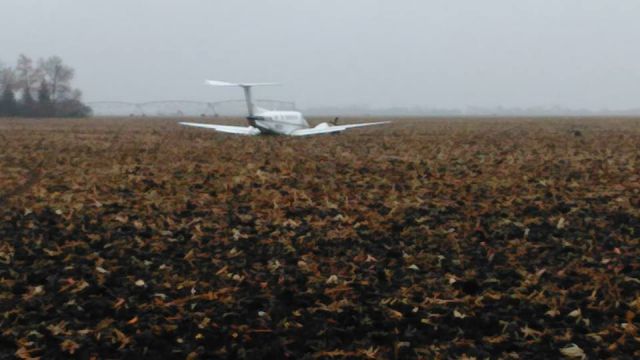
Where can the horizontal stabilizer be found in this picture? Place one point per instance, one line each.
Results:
(224, 83)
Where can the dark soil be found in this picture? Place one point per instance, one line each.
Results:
(425, 239)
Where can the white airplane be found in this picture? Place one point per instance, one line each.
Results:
(262, 121)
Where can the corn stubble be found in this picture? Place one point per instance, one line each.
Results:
(424, 239)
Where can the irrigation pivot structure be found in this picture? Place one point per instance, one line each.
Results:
(181, 107)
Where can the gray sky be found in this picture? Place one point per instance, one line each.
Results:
(449, 53)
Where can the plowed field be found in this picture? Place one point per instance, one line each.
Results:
(428, 238)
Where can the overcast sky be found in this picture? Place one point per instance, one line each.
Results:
(449, 53)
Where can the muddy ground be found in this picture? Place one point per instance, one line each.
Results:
(428, 238)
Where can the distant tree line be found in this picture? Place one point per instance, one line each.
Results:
(39, 89)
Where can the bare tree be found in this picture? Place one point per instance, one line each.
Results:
(7, 78)
(59, 77)
(28, 77)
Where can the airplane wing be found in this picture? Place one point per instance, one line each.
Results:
(238, 130)
(332, 129)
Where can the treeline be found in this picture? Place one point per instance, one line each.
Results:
(40, 89)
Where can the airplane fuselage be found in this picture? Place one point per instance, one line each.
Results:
(278, 122)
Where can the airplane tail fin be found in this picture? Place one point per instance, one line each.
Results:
(251, 107)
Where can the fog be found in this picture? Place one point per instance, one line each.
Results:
(454, 54)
